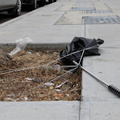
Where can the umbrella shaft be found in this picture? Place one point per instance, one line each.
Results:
(98, 79)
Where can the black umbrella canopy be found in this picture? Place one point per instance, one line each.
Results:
(74, 51)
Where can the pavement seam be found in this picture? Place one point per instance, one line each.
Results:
(108, 6)
(84, 30)
(79, 110)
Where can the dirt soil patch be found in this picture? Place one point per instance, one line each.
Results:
(31, 79)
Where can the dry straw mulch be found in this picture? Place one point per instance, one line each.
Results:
(28, 80)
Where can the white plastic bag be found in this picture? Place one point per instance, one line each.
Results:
(20, 45)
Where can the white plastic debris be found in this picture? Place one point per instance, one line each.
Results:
(67, 95)
(20, 45)
(61, 84)
(49, 84)
(58, 90)
(35, 80)
(56, 67)
(28, 52)
(8, 99)
(25, 98)
(28, 78)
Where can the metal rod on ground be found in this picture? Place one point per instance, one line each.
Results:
(88, 48)
(111, 88)
(67, 72)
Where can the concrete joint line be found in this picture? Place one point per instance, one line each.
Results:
(107, 6)
(84, 30)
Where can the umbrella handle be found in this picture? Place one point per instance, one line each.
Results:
(111, 88)
(114, 90)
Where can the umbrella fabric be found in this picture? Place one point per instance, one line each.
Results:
(90, 47)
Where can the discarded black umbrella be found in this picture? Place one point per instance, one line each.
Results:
(77, 46)
(80, 47)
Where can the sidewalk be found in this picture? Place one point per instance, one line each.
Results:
(98, 103)
(58, 23)
(41, 25)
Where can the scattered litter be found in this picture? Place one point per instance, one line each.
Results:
(25, 98)
(8, 99)
(22, 98)
(37, 80)
(28, 52)
(30, 79)
(20, 45)
(67, 95)
(51, 87)
(49, 84)
(58, 90)
(58, 86)
(58, 96)
(56, 67)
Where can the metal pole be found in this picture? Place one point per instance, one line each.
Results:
(98, 79)
(111, 88)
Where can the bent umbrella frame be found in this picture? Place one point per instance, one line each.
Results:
(111, 88)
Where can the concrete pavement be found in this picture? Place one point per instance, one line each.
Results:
(41, 26)
(98, 103)
(58, 23)
(54, 110)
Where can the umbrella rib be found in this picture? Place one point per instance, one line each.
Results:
(73, 53)
(84, 52)
(67, 66)
(67, 72)
(81, 57)
(80, 45)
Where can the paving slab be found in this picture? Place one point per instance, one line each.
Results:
(70, 18)
(99, 103)
(100, 6)
(112, 4)
(100, 111)
(104, 67)
(50, 34)
(107, 32)
(54, 110)
(65, 7)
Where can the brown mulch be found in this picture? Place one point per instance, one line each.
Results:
(29, 80)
